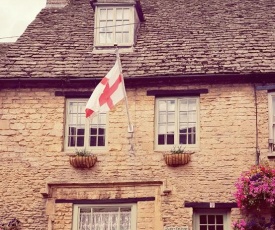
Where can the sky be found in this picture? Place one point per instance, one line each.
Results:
(16, 15)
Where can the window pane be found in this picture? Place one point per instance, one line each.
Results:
(119, 37)
(183, 117)
(162, 129)
(219, 219)
(119, 15)
(171, 105)
(109, 27)
(110, 14)
(203, 219)
(171, 117)
(183, 105)
(162, 117)
(192, 104)
(162, 106)
(92, 141)
(80, 141)
(202, 227)
(72, 141)
(102, 38)
(220, 227)
(93, 131)
(80, 131)
(161, 139)
(211, 227)
(126, 14)
(103, 14)
(211, 219)
(183, 139)
(101, 141)
(125, 37)
(101, 130)
(109, 38)
(170, 139)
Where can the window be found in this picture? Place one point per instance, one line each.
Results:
(115, 25)
(271, 101)
(177, 121)
(113, 217)
(209, 219)
(80, 131)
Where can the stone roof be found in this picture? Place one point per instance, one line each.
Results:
(179, 37)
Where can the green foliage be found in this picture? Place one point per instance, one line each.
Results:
(82, 152)
(177, 150)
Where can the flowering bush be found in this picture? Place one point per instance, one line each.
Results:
(258, 223)
(14, 224)
(256, 188)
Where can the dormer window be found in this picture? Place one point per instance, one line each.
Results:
(116, 24)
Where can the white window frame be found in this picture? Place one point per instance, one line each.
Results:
(133, 24)
(168, 147)
(87, 125)
(271, 121)
(77, 207)
(224, 212)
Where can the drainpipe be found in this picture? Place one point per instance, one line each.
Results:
(257, 161)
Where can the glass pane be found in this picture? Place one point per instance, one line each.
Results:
(72, 130)
(110, 14)
(102, 38)
(102, 118)
(162, 117)
(93, 131)
(126, 14)
(203, 227)
(80, 141)
(192, 104)
(119, 27)
(125, 37)
(171, 117)
(219, 219)
(80, 131)
(171, 128)
(211, 219)
(126, 28)
(101, 130)
(183, 117)
(183, 139)
(203, 219)
(119, 37)
(170, 139)
(101, 141)
(183, 128)
(211, 227)
(220, 227)
(109, 26)
(71, 141)
(119, 12)
(161, 139)
(162, 105)
(102, 26)
(103, 14)
(192, 116)
(92, 141)
(171, 105)
(109, 38)
(183, 105)
(162, 129)
(191, 139)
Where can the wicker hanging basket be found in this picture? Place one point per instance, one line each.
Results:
(176, 159)
(83, 161)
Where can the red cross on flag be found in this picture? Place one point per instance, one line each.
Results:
(107, 93)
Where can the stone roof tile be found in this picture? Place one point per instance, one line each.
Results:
(177, 38)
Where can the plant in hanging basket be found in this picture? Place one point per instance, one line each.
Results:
(83, 159)
(177, 156)
(256, 188)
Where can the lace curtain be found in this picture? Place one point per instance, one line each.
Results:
(120, 220)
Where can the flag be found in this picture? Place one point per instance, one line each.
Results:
(107, 93)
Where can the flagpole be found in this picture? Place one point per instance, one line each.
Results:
(130, 125)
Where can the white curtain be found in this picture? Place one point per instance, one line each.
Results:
(105, 221)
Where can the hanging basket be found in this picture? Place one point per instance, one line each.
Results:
(83, 161)
(176, 159)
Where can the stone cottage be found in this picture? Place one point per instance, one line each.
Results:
(199, 76)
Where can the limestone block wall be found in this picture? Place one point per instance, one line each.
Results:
(32, 154)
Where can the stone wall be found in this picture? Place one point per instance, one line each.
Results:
(32, 156)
